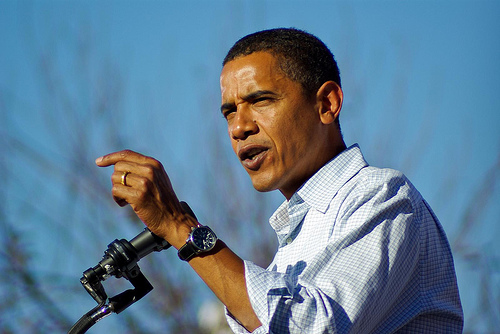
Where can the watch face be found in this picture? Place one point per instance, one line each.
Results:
(203, 238)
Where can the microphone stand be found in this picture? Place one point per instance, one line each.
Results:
(120, 260)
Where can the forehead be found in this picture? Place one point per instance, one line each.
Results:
(256, 71)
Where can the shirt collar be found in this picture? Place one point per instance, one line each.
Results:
(318, 191)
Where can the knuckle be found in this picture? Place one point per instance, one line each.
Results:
(142, 183)
(125, 153)
(149, 172)
(156, 164)
(114, 191)
(141, 196)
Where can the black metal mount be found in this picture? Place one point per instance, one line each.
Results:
(120, 260)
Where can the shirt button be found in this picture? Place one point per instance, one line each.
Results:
(289, 241)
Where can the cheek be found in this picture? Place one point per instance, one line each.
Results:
(291, 142)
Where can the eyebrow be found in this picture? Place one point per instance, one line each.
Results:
(249, 97)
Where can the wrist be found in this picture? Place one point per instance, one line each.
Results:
(177, 238)
(180, 225)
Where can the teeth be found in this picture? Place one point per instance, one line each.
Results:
(251, 154)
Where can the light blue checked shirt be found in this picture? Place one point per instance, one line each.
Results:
(360, 251)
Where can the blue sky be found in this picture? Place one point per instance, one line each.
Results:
(420, 80)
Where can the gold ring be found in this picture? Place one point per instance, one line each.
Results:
(124, 178)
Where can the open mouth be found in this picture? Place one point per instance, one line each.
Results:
(252, 153)
(251, 157)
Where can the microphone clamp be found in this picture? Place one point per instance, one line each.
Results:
(120, 260)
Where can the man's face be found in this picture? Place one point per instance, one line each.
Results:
(274, 128)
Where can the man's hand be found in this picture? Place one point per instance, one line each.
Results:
(150, 194)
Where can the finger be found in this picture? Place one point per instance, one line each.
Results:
(120, 180)
(126, 166)
(125, 155)
(124, 194)
(125, 178)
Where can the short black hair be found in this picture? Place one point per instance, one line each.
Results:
(302, 56)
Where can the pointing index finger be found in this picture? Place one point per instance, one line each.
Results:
(113, 158)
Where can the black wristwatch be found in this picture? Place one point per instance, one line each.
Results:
(201, 240)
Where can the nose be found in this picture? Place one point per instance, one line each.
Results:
(242, 125)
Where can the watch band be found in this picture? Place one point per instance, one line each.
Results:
(186, 252)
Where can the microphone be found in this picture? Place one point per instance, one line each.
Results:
(147, 242)
(122, 256)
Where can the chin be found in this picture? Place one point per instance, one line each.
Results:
(263, 189)
(263, 185)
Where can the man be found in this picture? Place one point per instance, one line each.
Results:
(359, 251)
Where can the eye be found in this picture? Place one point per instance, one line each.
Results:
(226, 113)
(262, 102)
(229, 114)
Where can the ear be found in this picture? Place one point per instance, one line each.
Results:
(329, 98)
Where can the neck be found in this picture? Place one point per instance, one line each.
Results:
(328, 155)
